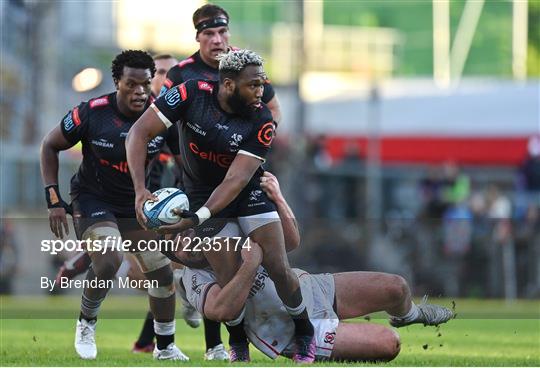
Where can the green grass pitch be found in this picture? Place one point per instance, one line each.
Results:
(38, 331)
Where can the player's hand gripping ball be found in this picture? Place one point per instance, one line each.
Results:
(160, 212)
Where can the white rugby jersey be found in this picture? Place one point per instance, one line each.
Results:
(268, 325)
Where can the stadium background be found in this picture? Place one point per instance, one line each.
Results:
(410, 141)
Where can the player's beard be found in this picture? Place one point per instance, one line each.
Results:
(238, 104)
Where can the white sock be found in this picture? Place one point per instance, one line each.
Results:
(164, 328)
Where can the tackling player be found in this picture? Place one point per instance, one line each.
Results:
(103, 196)
(226, 134)
(329, 298)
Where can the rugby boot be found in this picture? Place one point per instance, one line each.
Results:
(428, 314)
(172, 352)
(85, 342)
(218, 352)
(305, 349)
(239, 353)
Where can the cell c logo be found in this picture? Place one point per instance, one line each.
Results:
(219, 159)
(266, 133)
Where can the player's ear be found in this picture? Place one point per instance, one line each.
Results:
(228, 83)
(115, 83)
(197, 37)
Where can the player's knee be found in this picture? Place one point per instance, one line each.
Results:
(105, 263)
(163, 275)
(164, 278)
(229, 315)
(279, 271)
(391, 346)
(106, 267)
(152, 261)
(397, 287)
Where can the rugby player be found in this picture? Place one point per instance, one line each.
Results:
(212, 33)
(103, 196)
(80, 262)
(330, 298)
(226, 134)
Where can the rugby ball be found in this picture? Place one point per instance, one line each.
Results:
(160, 212)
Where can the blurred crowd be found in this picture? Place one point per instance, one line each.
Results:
(454, 235)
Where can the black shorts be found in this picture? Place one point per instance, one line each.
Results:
(93, 210)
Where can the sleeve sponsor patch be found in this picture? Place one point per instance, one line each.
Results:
(72, 120)
(266, 133)
(205, 86)
(175, 95)
(102, 101)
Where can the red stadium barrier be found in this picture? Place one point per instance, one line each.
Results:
(462, 150)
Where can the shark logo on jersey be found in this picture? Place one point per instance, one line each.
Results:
(236, 139)
(155, 144)
(254, 195)
(222, 127)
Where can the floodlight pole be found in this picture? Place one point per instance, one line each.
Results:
(519, 39)
(464, 36)
(441, 43)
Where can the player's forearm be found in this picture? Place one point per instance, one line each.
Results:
(136, 143)
(232, 298)
(291, 232)
(49, 164)
(225, 193)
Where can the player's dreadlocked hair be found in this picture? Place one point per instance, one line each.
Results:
(233, 62)
(132, 59)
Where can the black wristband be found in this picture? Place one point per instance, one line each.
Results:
(191, 215)
(52, 195)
